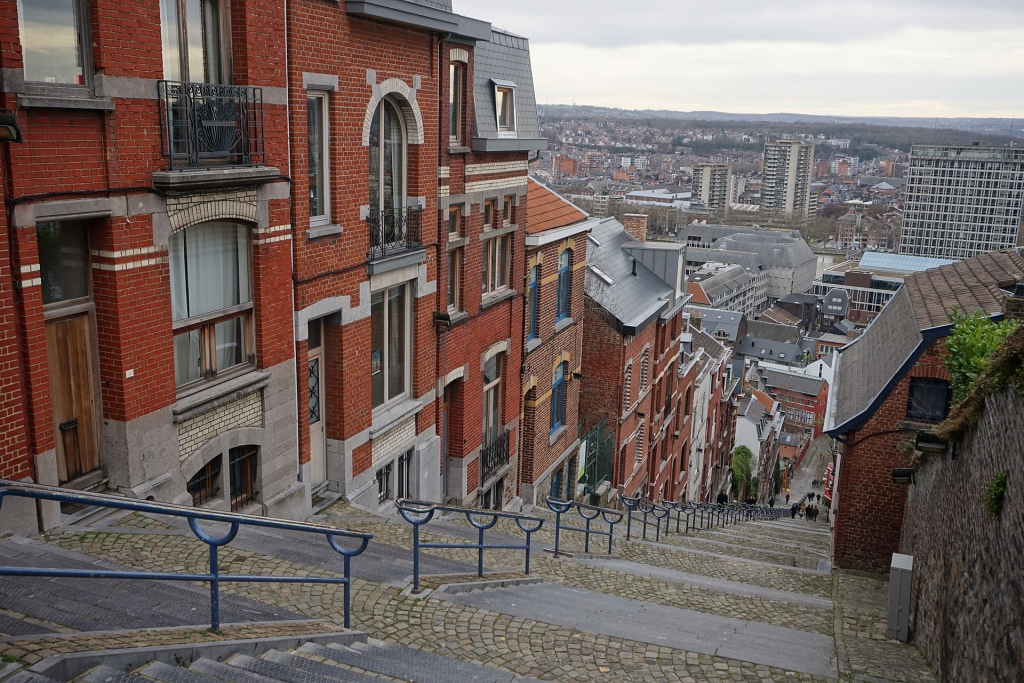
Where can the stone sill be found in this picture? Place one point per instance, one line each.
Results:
(219, 394)
(534, 344)
(556, 435)
(564, 323)
(56, 102)
(212, 178)
(457, 241)
(459, 149)
(497, 298)
(323, 231)
(392, 416)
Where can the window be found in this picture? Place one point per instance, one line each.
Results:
(63, 261)
(387, 159)
(455, 221)
(196, 40)
(496, 264)
(389, 344)
(492, 398)
(929, 399)
(506, 108)
(645, 362)
(454, 267)
(316, 133)
(455, 88)
(242, 468)
(564, 277)
(203, 484)
(489, 214)
(627, 387)
(638, 445)
(556, 484)
(404, 471)
(532, 302)
(506, 211)
(211, 300)
(314, 339)
(384, 482)
(558, 396)
(53, 34)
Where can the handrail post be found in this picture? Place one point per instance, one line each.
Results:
(214, 590)
(558, 529)
(611, 532)
(348, 591)
(480, 557)
(415, 558)
(527, 552)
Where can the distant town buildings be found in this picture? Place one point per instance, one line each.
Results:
(786, 179)
(962, 201)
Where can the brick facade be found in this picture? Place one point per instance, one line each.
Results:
(869, 507)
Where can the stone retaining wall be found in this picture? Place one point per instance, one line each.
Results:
(968, 588)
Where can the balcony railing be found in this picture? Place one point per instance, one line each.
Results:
(211, 124)
(493, 457)
(394, 231)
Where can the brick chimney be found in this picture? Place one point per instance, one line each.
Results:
(636, 225)
(1013, 307)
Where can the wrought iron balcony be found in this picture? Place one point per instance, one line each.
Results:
(209, 124)
(493, 457)
(394, 231)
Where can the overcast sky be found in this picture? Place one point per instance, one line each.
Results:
(857, 57)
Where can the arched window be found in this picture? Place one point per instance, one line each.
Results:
(638, 445)
(532, 302)
(387, 159)
(564, 260)
(627, 387)
(558, 396)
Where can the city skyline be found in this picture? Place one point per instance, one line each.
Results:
(952, 58)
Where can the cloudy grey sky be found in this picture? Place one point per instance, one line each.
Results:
(856, 57)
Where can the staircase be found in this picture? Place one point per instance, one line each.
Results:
(358, 662)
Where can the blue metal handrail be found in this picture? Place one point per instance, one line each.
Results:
(649, 509)
(194, 517)
(588, 513)
(681, 510)
(418, 513)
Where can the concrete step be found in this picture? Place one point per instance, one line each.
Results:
(106, 674)
(285, 673)
(328, 671)
(226, 673)
(165, 673)
(25, 676)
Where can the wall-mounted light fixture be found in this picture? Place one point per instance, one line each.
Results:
(442, 319)
(929, 442)
(9, 131)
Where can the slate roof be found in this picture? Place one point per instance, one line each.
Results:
(872, 365)
(781, 352)
(836, 302)
(631, 301)
(775, 250)
(548, 210)
(713, 319)
(750, 262)
(445, 5)
(779, 316)
(711, 346)
(506, 57)
(803, 384)
(763, 329)
(751, 409)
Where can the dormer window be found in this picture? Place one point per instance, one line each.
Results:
(505, 104)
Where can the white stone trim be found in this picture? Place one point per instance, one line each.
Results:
(408, 105)
(496, 184)
(459, 54)
(494, 349)
(498, 167)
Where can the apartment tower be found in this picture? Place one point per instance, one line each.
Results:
(962, 201)
(711, 185)
(786, 179)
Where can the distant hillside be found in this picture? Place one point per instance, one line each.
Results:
(991, 130)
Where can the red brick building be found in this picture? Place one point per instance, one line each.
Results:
(409, 168)
(891, 385)
(556, 258)
(803, 397)
(635, 294)
(148, 221)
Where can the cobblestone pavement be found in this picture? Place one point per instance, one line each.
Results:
(529, 647)
(31, 649)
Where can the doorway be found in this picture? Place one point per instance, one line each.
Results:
(317, 438)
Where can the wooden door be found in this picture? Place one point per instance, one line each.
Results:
(74, 398)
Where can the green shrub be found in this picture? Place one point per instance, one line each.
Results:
(994, 495)
(742, 458)
(970, 346)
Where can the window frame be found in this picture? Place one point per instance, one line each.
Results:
(207, 323)
(70, 304)
(248, 459)
(84, 34)
(456, 210)
(558, 396)
(385, 343)
(321, 97)
(224, 40)
(491, 274)
(379, 149)
(510, 112)
(454, 284)
(456, 98)
(533, 303)
(562, 304)
(490, 213)
(493, 389)
(932, 384)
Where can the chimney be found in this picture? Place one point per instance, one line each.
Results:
(636, 225)
(1013, 307)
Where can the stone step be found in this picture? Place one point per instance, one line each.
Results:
(229, 674)
(165, 673)
(106, 674)
(309, 666)
(24, 676)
